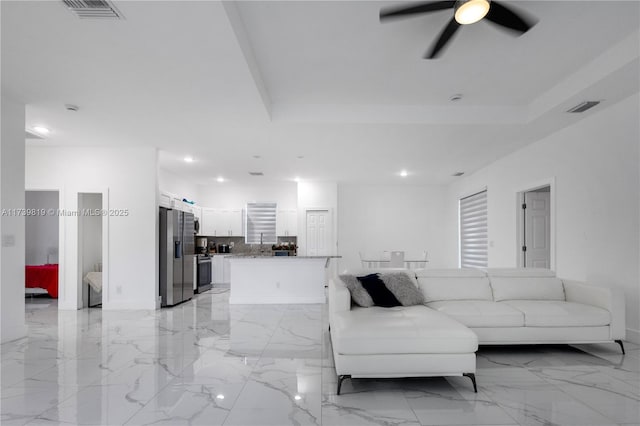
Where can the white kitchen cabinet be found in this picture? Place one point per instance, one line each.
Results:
(221, 269)
(221, 222)
(287, 223)
(165, 199)
(235, 222)
(207, 222)
(226, 271)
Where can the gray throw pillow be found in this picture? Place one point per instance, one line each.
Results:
(358, 294)
(402, 288)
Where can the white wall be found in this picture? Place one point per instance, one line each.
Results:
(375, 218)
(12, 325)
(596, 170)
(229, 195)
(174, 184)
(128, 178)
(42, 231)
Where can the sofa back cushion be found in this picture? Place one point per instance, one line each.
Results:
(454, 284)
(527, 288)
(525, 284)
(519, 272)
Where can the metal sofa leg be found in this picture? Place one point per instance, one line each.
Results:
(340, 379)
(472, 376)
(621, 346)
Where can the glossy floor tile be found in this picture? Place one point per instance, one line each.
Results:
(207, 362)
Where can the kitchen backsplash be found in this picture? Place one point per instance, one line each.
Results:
(239, 247)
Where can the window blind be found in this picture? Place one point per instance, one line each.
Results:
(261, 219)
(473, 231)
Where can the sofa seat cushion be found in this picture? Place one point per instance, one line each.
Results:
(400, 330)
(553, 313)
(480, 313)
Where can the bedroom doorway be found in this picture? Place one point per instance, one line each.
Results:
(42, 248)
(90, 206)
(535, 228)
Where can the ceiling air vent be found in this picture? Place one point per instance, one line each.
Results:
(93, 9)
(256, 173)
(582, 107)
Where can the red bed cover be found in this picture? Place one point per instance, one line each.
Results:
(43, 276)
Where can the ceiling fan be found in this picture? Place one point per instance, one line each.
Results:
(465, 12)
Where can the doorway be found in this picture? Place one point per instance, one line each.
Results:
(535, 238)
(90, 208)
(318, 233)
(42, 248)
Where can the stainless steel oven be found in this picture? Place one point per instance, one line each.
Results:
(205, 276)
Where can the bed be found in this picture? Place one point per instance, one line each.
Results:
(94, 281)
(44, 277)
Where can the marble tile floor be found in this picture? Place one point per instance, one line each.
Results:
(206, 362)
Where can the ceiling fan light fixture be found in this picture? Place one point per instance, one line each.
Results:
(471, 11)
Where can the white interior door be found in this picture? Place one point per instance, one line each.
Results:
(537, 229)
(318, 233)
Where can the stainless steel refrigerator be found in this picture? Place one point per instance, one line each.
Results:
(177, 253)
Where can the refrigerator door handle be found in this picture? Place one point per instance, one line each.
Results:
(177, 249)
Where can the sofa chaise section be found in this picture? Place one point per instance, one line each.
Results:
(403, 341)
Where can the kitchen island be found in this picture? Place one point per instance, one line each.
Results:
(278, 279)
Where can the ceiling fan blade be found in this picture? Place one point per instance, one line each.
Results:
(433, 6)
(505, 17)
(443, 39)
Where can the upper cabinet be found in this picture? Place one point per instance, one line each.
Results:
(287, 223)
(221, 222)
(234, 221)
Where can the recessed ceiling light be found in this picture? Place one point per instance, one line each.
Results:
(220, 396)
(257, 156)
(300, 157)
(41, 129)
(456, 97)
(71, 107)
(188, 159)
(457, 174)
(220, 179)
(297, 397)
(404, 173)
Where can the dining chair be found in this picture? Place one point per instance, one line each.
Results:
(369, 259)
(396, 260)
(416, 259)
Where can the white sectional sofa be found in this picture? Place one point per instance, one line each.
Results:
(464, 308)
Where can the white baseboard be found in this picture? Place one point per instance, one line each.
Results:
(129, 305)
(633, 336)
(66, 306)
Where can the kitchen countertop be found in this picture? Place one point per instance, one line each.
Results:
(269, 256)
